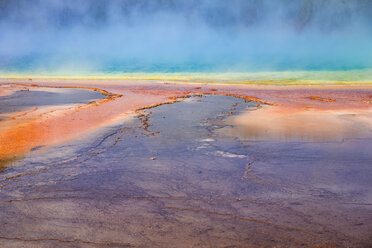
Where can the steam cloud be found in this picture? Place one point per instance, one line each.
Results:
(184, 35)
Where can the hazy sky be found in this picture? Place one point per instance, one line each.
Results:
(184, 35)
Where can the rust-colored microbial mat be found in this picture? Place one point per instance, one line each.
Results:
(151, 164)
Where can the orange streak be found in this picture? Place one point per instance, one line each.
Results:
(322, 99)
(123, 97)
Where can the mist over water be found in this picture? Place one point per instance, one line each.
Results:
(108, 36)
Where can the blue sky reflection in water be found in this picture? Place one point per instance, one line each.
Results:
(81, 36)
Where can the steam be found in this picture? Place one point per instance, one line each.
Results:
(84, 36)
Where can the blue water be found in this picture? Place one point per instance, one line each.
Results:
(35, 65)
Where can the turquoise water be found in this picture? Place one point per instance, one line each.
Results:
(40, 65)
(193, 71)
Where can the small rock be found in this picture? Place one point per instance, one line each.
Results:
(152, 158)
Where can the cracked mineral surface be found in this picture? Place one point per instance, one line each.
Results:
(204, 189)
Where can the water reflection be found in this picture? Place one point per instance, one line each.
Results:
(276, 123)
(27, 99)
